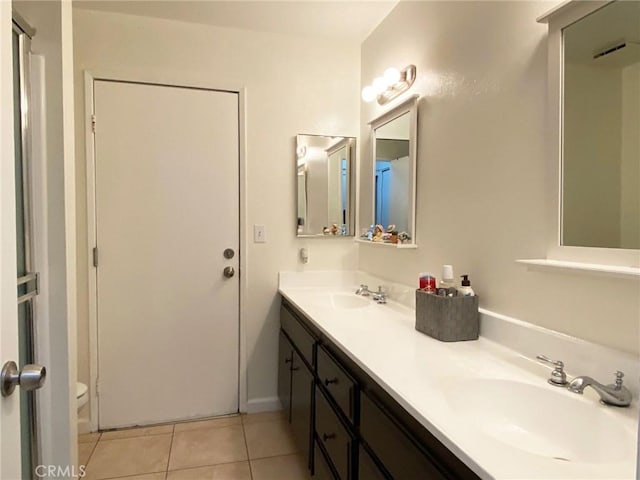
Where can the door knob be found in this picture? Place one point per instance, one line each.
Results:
(228, 272)
(30, 378)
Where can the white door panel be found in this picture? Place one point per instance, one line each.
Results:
(167, 205)
(10, 450)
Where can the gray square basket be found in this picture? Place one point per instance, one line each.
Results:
(448, 319)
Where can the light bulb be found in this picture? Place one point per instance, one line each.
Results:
(379, 85)
(368, 93)
(392, 75)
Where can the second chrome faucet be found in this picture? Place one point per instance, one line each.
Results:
(380, 296)
(614, 394)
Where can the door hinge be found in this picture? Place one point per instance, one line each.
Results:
(97, 387)
(93, 123)
(95, 256)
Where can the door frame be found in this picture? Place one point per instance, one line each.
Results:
(90, 77)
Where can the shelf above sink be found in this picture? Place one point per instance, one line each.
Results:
(595, 268)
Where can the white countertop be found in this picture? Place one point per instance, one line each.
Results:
(430, 379)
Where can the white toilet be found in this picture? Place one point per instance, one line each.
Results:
(82, 394)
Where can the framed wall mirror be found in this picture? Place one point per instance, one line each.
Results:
(593, 162)
(393, 146)
(600, 203)
(324, 184)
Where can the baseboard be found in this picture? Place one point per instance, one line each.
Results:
(266, 404)
(84, 426)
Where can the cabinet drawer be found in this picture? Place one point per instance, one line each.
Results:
(402, 458)
(334, 437)
(299, 335)
(339, 384)
(367, 468)
(321, 468)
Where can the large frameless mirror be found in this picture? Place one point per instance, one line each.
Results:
(601, 129)
(324, 184)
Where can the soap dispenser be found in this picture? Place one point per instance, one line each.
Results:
(465, 290)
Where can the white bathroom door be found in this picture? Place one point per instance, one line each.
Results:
(167, 208)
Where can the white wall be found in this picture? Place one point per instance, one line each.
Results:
(398, 193)
(630, 158)
(317, 182)
(334, 187)
(592, 155)
(289, 90)
(481, 165)
(57, 342)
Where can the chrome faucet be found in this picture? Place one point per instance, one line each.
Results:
(363, 290)
(557, 378)
(380, 296)
(614, 394)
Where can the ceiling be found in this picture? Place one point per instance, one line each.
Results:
(340, 20)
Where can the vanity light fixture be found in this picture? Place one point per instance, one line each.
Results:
(390, 85)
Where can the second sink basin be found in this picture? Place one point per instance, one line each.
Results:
(550, 423)
(342, 300)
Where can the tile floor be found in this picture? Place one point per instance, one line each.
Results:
(239, 447)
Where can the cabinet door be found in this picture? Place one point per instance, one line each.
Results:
(367, 468)
(392, 445)
(301, 396)
(284, 373)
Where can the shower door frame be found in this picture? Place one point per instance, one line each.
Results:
(89, 80)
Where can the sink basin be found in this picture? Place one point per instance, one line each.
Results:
(342, 300)
(542, 421)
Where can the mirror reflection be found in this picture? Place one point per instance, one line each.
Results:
(324, 185)
(601, 129)
(392, 174)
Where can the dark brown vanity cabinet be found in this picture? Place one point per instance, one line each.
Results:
(348, 427)
(301, 403)
(285, 355)
(296, 378)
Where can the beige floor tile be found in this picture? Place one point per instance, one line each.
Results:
(129, 456)
(289, 467)
(226, 471)
(250, 418)
(89, 437)
(84, 452)
(137, 432)
(207, 446)
(146, 476)
(211, 423)
(269, 439)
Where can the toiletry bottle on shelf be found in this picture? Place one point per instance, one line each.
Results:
(427, 283)
(465, 290)
(447, 280)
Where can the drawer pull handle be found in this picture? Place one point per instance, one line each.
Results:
(327, 381)
(326, 437)
(288, 360)
(295, 369)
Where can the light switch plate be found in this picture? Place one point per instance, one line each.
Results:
(259, 234)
